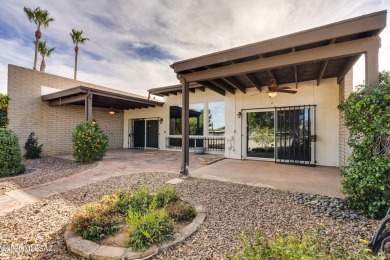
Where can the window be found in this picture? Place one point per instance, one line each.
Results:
(195, 120)
(217, 118)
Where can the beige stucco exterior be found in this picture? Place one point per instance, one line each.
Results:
(325, 96)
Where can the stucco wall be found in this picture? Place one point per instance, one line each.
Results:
(324, 96)
(52, 125)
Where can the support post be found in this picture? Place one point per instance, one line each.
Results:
(185, 158)
(88, 107)
(372, 67)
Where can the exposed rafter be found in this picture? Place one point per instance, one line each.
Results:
(347, 68)
(321, 72)
(212, 87)
(234, 83)
(223, 86)
(296, 75)
(253, 81)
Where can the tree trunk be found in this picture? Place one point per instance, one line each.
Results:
(37, 37)
(76, 50)
(43, 65)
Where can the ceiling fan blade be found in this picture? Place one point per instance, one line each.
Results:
(288, 91)
(284, 87)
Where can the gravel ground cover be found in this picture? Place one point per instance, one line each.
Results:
(232, 209)
(42, 170)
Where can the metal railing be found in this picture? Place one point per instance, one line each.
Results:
(209, 143)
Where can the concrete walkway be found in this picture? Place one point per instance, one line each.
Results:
(118, 162)
(315, 180)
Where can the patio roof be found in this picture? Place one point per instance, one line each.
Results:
(101, 98)
(324, 52)
(174, 89)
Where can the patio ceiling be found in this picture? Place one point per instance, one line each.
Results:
(173, 90)
(100, 98)
(324, 52)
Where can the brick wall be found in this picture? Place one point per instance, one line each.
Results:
(346, 87)
(52, 125)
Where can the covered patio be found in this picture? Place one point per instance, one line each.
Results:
(317, 54)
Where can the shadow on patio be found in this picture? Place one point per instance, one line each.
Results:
(315, 180)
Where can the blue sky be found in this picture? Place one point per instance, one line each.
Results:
(132, 43)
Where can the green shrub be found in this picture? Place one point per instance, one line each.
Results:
(367, 117)
(33, 150)
(10, 156)
(149, 228)
(124, 199)
(311, 245)
(140, 200)
(181, 210)
(165, 196)
(94, 221)
(89, 142)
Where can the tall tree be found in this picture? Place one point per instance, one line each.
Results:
(45, 52)
(77, 37)
(38, 17)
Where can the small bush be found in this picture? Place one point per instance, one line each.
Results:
(312, 245)
(165, 196)
(180, 210)
(149, 228)
(10, 156)
(33, 150)
(124, 199)
(93, 221)
(140, 200)
(89, 142)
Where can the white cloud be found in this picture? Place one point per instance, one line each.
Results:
(172, 30)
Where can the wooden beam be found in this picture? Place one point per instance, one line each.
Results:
(372, 22)
(212, 87)
(62, 93)
(253, 81)
(296, 75)
(235, 84)
(348, 66)
(321, 72)
(203, 89)
(228, 88)
(67, 100)
(372, 67)
(185, 114)
(316, 54)
(88, 107)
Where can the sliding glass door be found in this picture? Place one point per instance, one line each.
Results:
(261, 134)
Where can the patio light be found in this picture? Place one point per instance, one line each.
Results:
(272, 94)
(111, 111)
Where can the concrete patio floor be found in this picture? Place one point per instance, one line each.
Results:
(315, 180)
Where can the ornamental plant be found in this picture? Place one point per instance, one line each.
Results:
(33, 150)
(10, 155)
(365, 177)
(89, 142)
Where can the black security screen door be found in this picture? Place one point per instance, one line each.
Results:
(295, 135)
(138, 141)
(152, 133)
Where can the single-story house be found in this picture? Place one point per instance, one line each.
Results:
(271, 100)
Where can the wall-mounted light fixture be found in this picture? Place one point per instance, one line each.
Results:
(161, 120)
(111, 111)
(239, 115)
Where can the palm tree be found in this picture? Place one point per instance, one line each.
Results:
(44, 53)
(77, 39)
(39, 17)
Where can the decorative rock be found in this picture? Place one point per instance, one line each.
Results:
(175, 181)
(108, 253)
(83, 248)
